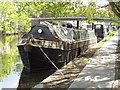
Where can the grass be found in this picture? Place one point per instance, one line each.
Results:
(101, 43)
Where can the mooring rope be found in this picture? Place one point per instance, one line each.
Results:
(47, 56)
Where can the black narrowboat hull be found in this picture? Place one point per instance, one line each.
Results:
(34, 59)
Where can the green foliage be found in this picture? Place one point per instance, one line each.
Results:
(5, 15)
(11, 19)
(8, 55)
(15, 15)
(103, 13)
(116, 18)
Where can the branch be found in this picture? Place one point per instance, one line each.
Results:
(115, 9)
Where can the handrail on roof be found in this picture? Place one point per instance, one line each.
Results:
(73, 18)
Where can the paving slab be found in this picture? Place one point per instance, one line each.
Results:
(100, 71)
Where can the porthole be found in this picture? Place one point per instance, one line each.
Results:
(40, 31)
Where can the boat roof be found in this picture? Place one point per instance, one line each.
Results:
(73, 18)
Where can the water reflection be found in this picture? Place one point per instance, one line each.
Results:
(12, 73)
(30, 79)
(10, 63)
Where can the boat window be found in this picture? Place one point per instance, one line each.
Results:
(80, 34)
(89, 27)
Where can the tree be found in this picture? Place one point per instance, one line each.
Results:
(11, 18)
(115, 7)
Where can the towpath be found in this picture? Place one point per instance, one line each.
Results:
(100, 71)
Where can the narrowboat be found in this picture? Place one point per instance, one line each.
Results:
(48, 45)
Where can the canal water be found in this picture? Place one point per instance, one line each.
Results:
(12, 73)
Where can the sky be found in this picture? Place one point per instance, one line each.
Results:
(98, 2)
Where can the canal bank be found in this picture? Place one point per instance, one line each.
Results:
(98, 73)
